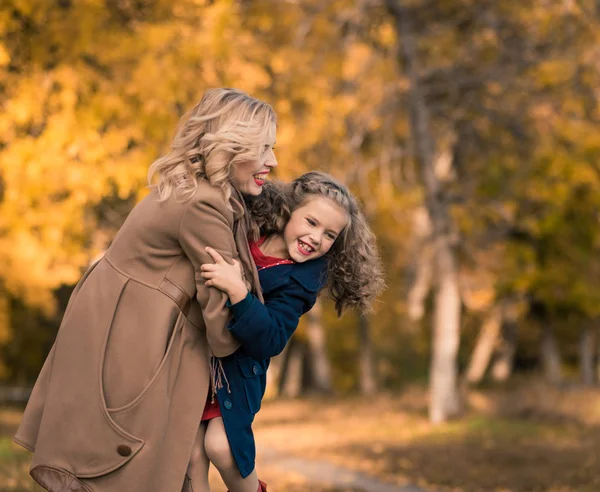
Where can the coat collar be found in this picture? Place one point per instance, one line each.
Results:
(240, 230)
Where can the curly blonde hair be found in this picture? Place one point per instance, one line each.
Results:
(225, 128)
(355, 273)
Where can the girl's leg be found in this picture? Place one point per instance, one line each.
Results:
(219, 454)
(196, 479)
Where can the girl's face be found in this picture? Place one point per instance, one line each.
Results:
(313, 228)
(249, 177)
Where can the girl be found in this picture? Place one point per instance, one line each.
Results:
(312, 235)
(117, 405)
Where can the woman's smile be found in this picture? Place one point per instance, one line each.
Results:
(260, 178)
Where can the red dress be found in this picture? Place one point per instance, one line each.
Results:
(212, 409)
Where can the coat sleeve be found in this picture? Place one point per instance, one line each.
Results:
(204, 224)
(264, 329)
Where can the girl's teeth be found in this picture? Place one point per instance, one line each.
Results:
(305, 247)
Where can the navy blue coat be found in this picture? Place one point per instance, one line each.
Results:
(263, 330)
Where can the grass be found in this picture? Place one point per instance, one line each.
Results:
(526, 438)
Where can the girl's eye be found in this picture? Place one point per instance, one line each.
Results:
(331, 236)
(311, 222)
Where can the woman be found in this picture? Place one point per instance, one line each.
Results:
(119, 400)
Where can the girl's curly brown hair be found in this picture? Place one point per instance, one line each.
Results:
(355, 273)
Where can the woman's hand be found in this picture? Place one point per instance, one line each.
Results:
(227, 277)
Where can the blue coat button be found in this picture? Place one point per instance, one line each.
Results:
(255, 369)
(227, 404)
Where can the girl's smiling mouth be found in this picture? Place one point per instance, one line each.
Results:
(304, 248)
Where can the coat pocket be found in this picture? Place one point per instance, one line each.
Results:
(138, 343)
(254, 382)
(176, 334)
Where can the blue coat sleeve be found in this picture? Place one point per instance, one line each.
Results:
(264, 329)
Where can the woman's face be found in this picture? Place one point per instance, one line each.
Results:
(249, 177)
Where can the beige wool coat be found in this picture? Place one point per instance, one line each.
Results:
(119, 400)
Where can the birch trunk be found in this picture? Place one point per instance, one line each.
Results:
(275, 373)
(444, 396)
(503, 365)
(424, 255)
(550, 355)
(586, 356)
(484, 346)
(292, 373)
(320, 369)
(597, 330)
(367, 382)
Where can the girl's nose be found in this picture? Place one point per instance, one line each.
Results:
(315, 240)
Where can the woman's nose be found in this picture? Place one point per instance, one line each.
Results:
(271, 161)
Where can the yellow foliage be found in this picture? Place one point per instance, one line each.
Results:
(93, 93)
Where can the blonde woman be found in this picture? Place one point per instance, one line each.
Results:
(118, 403)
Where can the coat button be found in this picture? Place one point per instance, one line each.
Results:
(227, 404)
(255, 369)
(124, 450)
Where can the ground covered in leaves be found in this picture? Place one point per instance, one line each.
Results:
(525, 438)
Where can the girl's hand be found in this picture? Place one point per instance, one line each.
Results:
(227, 277)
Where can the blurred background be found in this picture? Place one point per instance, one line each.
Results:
(470, 131)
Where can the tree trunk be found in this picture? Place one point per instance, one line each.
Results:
(586, 356)
(292, 372)
(550, 354)
(368, 381)
(275, 374)
(423, 265)
(320, 369)
(484, 346)
(444, 396)
(502, 367)
(597, 352)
